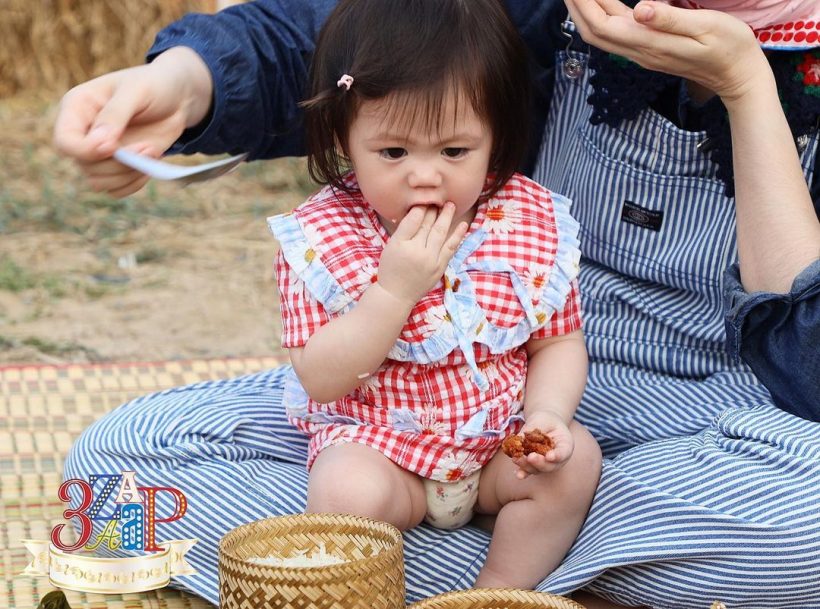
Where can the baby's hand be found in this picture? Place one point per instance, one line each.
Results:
(558, 435)
(416, 255)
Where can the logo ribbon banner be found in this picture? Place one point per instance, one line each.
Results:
(72, 571)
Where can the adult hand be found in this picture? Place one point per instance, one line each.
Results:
(552, 425)
(417, 253)
(711, 48)
(145, 109)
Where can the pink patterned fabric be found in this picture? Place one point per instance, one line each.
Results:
(411, 411)
(782, 24)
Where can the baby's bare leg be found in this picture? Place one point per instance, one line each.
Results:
(359, 480)
(538, 517)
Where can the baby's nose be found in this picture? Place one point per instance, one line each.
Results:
(424, 175)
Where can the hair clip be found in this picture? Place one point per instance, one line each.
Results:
(345, 81)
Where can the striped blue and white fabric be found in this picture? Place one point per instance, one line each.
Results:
(708, 492)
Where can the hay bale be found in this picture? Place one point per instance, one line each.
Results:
(55, 44)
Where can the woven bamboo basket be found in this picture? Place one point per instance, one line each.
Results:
(371, 578)
(496, 598)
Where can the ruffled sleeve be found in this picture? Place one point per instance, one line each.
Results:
(317, 255)
(302, 315)
(561, 297)
(566, 320)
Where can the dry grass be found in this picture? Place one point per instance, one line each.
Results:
(58, 43)
(169, 273)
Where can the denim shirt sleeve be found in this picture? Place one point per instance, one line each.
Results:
(258, 54)
(778, 336)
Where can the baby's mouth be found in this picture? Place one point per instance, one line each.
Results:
(438, 204)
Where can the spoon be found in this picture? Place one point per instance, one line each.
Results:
(185, 174)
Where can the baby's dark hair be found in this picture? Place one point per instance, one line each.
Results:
(418, 52)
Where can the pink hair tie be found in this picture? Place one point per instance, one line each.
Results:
(345, 81)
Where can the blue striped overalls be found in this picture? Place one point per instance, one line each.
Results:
(708, 492)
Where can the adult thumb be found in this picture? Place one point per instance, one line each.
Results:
(671, 19)
(113, 119)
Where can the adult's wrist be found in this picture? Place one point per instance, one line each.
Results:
(758, 86)
(191, 72)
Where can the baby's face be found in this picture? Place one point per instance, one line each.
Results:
(403, 163)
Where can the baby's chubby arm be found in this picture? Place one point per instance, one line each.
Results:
(344, 352)
(348, 349)
(556, 377)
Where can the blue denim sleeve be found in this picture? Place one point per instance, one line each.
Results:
(778, 336)
(258, 54)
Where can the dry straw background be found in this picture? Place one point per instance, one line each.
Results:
(58, 43)
(168, 273)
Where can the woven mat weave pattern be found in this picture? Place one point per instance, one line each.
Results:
(42, 411)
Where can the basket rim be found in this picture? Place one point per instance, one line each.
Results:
(319, 518)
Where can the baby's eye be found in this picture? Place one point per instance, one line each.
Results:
(392, 153)
(454, 153)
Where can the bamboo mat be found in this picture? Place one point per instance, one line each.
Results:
(42, 410)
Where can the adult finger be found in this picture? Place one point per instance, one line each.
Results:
(673, 20)
(114, 117)
(109, 168)
(409, 225)
(102, 169)
(93, 116)
(113, 183)
(613, 8)
(130, 188)
(594, 17)
(78, 109)
(603, 23)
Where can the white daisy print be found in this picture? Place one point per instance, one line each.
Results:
(313, 236)
(576, 262)
(368, 273)
(455, 466)
(370, 385)
(487, 368)
(535, 279)
(490, 370)
(300, 293)
(502, 218)
(434, 318)
(541, 317)
(429, 422)
(336, 434)
(339, 302)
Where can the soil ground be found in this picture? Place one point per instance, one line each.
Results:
(169, 273)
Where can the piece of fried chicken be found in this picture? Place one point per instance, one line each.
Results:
(534, 441)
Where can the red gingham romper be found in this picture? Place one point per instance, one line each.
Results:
(452, 386)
